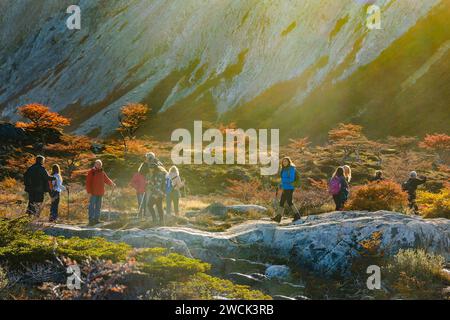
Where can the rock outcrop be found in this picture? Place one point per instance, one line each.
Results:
(326, 243)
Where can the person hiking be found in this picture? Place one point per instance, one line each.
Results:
(155, 191)
(410, 186)
(337, 186)
(139, 183)
(348, 178)
(36, 181)
(150, 158)
(95, 187)
(288, 174)
(377, 177)
(173, 186)
(56, 187)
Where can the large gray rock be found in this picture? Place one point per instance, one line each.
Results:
(326, 243)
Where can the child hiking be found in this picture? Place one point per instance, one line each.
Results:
(95, 187)
(410, 186)
(56, 187)
(338, 188)
(173, 186)
(139, 183)
(36, 180)
(288, 175)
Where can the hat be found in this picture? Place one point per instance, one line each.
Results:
(413, 174)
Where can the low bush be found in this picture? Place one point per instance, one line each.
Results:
(383, 195)
(173, 267)
(203, 286)
(20, 244)
(416, 273)
(434, 205)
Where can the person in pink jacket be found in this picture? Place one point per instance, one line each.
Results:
(139, 183)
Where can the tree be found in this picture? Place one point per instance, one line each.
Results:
(376, 148)
(131, 118)
(438, 143)
(403, 143)
(72, 149)
(349, 138)
(43, 121)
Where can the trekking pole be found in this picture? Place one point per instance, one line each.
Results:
(141, 204)
(110, 202)
(68, 202)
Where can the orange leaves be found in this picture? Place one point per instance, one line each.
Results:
(71, 145)
(345, 131)
(131, 117)
(41, 117)
(244, 191)
(382, 195)
(436, 142)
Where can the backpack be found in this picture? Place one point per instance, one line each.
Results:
(405, 186)
(296, 182)
(334, 186)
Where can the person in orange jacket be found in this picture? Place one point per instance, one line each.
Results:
(95, 187)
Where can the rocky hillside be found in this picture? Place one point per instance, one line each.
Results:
(250, 62)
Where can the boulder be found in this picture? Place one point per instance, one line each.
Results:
(326, 244)
(221, 211)
(246, 208)
(278, 272)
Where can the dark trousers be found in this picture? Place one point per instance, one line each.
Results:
(286, 196)
(338, 201)
(172, 197)
(412, 203)
(56, 196)
(157, 201)
(35, 200)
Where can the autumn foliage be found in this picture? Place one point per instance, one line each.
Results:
(41, 117)
(383, 195)
(439, 143)
(130, 119)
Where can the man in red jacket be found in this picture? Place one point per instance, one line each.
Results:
(95, 186)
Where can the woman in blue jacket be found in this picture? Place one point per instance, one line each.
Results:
(287, 175)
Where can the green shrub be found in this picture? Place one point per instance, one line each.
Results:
(174, 267)
(20, 244)
(206, 287)
(418, 274)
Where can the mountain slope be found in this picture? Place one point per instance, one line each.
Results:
(301, 66)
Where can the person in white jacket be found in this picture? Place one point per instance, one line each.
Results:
(56, 188)
(173, 186)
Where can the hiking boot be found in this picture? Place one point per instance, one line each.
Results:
(297, 217)
(277, 218)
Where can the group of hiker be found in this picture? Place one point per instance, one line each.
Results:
(153, 183)
(338, 187)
